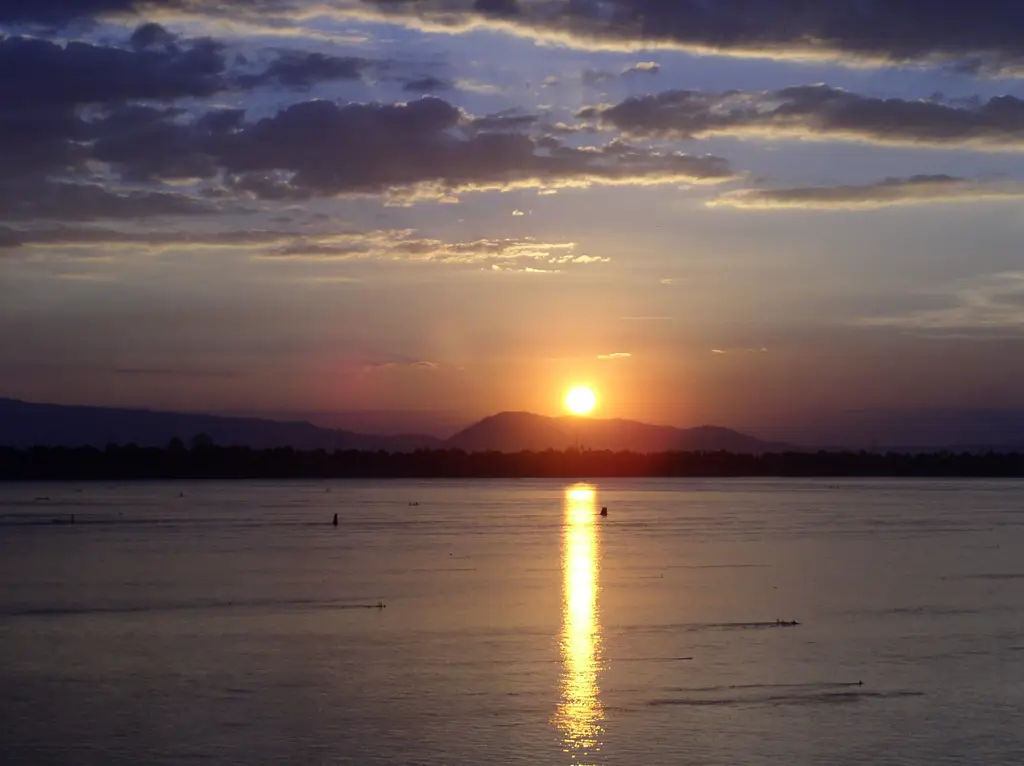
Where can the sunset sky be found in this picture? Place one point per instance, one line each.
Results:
(740, 212)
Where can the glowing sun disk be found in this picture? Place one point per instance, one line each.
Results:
(580, 400)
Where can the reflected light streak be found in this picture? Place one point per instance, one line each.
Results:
(579, 715)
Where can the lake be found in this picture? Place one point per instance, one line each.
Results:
(507, 622)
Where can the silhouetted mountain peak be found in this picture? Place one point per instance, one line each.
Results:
(512, 432)
(24, 424)
(513, 417)
(516, 431)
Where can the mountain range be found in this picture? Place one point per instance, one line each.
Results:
(516, 431)
(25, 424)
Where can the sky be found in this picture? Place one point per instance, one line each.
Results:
(751, 213)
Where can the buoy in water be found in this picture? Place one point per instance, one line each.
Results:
(335, 522)
(604, 510)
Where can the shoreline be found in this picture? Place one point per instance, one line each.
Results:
(88, 464)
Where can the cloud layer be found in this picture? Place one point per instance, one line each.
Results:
(818, 112)
(972, 36)
(321, 148)
(915, 190)
(314, 148)
(991, 304)
(381, 246)
(98, 130)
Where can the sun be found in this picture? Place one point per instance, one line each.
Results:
(580, 400)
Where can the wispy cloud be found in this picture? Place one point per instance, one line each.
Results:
(723, 351)
(818, 113)
(594, 78)
(616, 355)
(915, 190)
(85, 277)
(476, 86)
(402, 364)
(398, 246)
(522, 270)
(990, 303)
(380, 245)
(642, 67)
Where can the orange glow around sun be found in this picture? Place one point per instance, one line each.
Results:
(580, 400)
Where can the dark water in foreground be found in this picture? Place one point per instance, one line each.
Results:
(227, 626)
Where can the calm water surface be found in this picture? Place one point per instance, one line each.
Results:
(235, 624)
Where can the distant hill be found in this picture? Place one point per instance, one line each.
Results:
(512, 432)
(912, 430)
(25, 424)
(515, 431)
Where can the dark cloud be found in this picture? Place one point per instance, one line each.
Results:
(506, 120)
(145, 143)
(818, 111)
(300, 70)
(973, 36)
(331, 148)
(221, 120)
(915, 190)
(152, 35)
(497, 7)
(75, 102)
(62, 11)
(270, 186)
(35, 141)
(52, 75)
(52, 200)
(428, 84)
(46, 86)
(79, 112)
(321, 148)
(155, 66)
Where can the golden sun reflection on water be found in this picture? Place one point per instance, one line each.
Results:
(579, 715)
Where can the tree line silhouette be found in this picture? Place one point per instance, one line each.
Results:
(205, 460)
